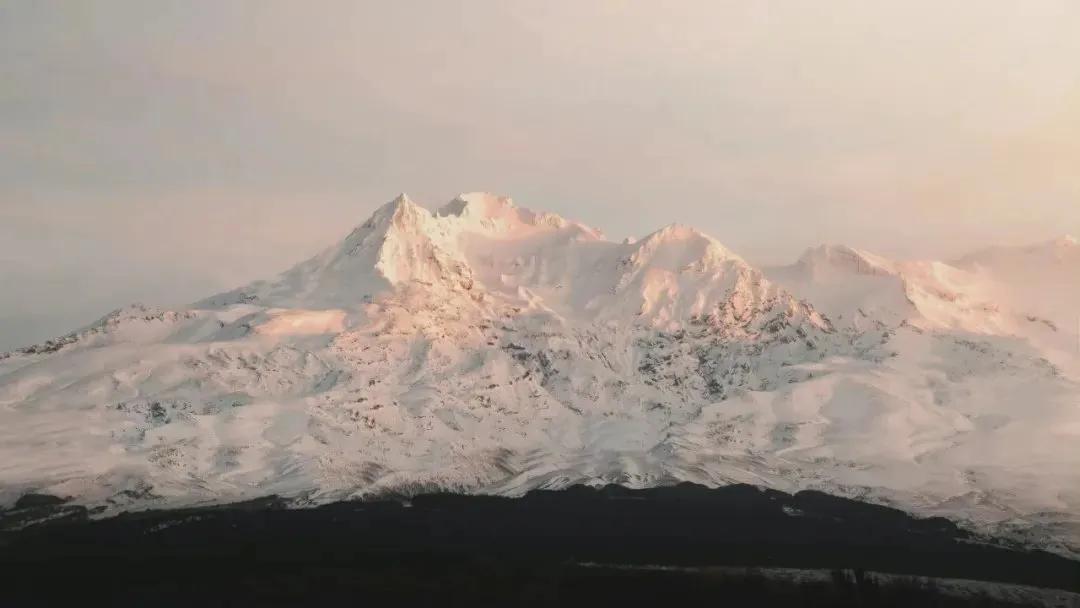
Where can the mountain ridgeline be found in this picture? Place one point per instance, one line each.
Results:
(485, 348)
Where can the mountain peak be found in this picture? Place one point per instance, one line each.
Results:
(486, 211)
(677, 246)
(398, 216)
(401, 201)
(480, 205)
(676, 232)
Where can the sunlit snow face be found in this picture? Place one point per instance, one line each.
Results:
(303, 322)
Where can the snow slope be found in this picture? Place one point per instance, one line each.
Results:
(1042, 281)
(488, 348)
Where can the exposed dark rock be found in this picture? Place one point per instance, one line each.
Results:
(31, 500)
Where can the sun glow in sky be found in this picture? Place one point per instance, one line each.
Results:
(158, 151)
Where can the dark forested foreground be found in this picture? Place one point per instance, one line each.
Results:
(541, 549)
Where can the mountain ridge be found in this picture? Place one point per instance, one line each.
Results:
(485, 347)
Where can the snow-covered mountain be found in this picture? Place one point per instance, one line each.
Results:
(1042, 279)
(484, 347)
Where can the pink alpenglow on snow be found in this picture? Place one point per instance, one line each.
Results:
(484, 347)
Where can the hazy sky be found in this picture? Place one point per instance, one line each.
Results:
(159, 151)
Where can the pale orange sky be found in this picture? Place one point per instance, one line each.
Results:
(158, 151)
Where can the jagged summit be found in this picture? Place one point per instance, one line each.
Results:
(401, 200)
(401, 212)
(484, 242)
(480, 205)
(499, 217)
